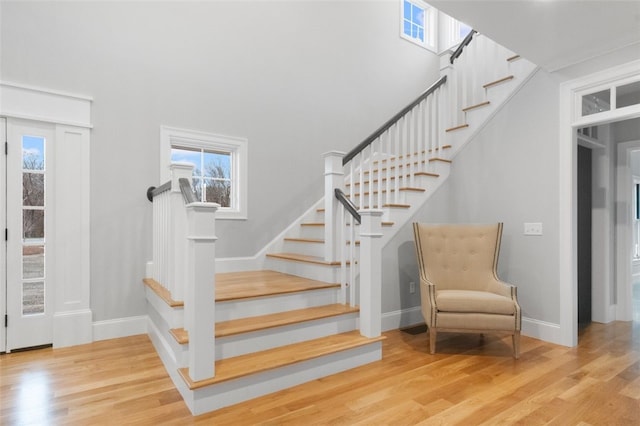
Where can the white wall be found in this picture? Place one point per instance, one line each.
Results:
(295, 78)
(507, 173)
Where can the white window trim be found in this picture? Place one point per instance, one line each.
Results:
(196, 139)
(431, 26)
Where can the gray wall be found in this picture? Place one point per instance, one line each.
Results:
(295, 78)
(507, 173)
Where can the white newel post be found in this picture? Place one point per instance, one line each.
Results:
(177, 268)
(200, 290)
(370, 273)
(333, 178)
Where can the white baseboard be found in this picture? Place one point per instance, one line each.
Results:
(547, 331)
(402, 318)
(72, 328)
(120, 327)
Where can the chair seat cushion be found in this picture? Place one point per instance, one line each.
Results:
(474, 301)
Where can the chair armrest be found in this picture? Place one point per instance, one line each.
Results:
(428, 301)
(503, 289)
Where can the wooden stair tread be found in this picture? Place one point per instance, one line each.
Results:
(248, 284)
(460, 127)
(424, 151)
(412, 189)
(305, 240)
(513, 58)
(500, 81)
(303, 258)
(407, 176)
(427, 174)
(245, 365)
(263, 322)
(244, 285)
(472, 107)
(444, 160)
(313, 223)
(162, 292)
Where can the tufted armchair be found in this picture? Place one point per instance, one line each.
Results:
(459, 287)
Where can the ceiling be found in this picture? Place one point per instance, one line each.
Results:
(553, 34)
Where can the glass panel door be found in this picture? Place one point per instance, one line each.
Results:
(29, 292)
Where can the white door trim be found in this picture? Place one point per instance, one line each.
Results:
(569, 122)
(71, 115)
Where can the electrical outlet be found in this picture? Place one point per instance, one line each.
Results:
(533, 228)
(412, 287)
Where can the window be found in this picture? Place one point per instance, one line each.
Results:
(418, 23)
(219, 167)
(33, 225)
(610, 97)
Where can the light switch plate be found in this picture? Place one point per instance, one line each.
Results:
(533, 228)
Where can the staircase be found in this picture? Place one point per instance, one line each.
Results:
(314, 310)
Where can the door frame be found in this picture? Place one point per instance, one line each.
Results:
(71, 116)
(569, 121)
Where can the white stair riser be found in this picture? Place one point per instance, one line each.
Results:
(316, 232)
(235, 391)
(329, 274)
(245, 343)
(173, 317)
(243, 308)
(303, 247)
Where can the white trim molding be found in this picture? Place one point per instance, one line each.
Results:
(49, 106)
(570, 120)
(120, 327)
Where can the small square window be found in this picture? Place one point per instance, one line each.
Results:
(219, 167)
(418, 23)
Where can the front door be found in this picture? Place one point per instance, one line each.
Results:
(27, 195)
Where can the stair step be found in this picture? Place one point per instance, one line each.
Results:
(305, 240)
(472, 107)
(427, 174)
(460, 127)
(312, 223)
(163, 293)
(384, 191)
(313, 240)
(250, 284)
(443, 160)
(407, 176)
(246, 365)
(513, 58)
(495, 83)
(399, 157)
(263, 322)
(303, 258)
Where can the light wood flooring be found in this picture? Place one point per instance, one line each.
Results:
(470, 381)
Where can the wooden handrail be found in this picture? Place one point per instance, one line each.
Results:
(462, 45)
(348, 204)
(365, 143)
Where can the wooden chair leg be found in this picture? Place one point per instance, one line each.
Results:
(432, 340)
(516, 344)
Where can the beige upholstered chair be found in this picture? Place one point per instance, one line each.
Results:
(459, 287)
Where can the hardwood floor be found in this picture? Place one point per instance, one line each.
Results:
(470, 381)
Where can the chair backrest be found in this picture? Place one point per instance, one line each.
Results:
(459, 256)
